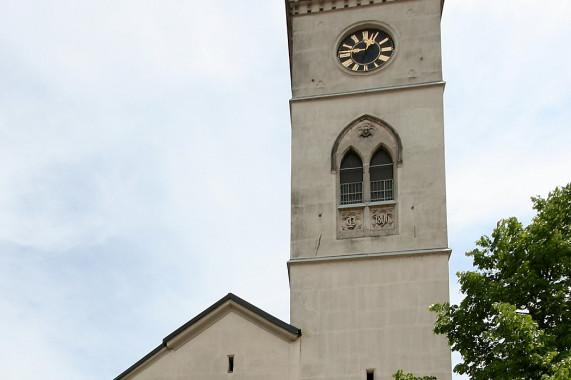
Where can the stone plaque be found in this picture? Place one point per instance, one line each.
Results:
(382, 218)
(351, 220)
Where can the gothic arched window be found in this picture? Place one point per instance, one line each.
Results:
(366, 158)
(351, 179)
(381, 176)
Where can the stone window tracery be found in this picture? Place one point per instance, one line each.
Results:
(365, 158)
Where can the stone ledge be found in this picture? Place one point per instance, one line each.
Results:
(365, 256)
(299, 7)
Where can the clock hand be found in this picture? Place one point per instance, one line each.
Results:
(345, 53)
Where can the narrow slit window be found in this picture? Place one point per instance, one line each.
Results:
(351, 179)
(230, 363)
(370, 374)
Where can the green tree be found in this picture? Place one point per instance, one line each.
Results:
(400, 375)
(515, 319)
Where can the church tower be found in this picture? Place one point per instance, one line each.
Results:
(369, 246)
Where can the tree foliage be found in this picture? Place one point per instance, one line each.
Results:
(400, 375)
(515, 319)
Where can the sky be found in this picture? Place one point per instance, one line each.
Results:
(145, 157)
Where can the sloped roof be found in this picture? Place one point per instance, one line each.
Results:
(230, 302)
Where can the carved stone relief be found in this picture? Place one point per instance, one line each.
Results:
(351, 220)
(366, 130)
(382, 218)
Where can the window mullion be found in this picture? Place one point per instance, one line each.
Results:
(366, 184)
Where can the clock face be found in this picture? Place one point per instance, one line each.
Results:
(365, 50)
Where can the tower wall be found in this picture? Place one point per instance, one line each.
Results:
(415, 25)
(362, 275)
(416, 115)
(360, 314)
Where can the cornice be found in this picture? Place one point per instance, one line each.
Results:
(300, 7)
(367, 91)
(365, 256)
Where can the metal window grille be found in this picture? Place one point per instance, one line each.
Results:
(382, 190)
(351, 193)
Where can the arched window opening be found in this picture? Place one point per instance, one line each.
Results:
(365, 158)
(381, 174)
(351, 179)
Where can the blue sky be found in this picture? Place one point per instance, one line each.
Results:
(133, 195)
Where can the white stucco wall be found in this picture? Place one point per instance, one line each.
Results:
(258, 355)
(370, 314)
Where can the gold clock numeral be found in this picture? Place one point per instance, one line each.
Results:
(355, 50)
(347, 63)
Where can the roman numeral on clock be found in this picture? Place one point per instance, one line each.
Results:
(365, 50)
(347, 63)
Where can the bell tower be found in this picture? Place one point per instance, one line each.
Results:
(369, 246)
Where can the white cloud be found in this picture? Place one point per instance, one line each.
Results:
(138, 138)
(509, 106)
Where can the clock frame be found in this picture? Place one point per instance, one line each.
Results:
(365, 50)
